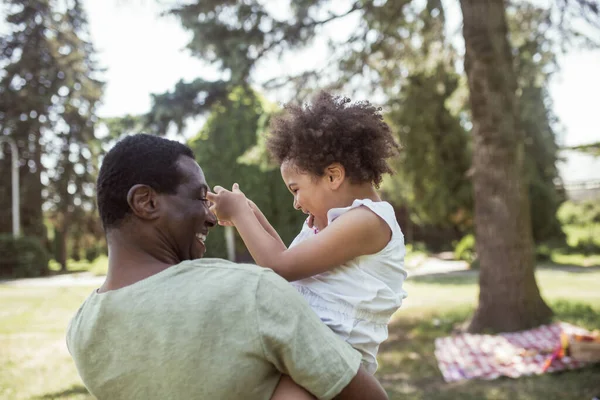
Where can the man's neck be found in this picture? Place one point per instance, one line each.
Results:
(129, 263)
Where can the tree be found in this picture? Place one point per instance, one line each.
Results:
(228, 134)
(236, 36)
(509, 298)
(416, 73)
(590, 148)
(49, 95)
(535, 62)
(435, 158)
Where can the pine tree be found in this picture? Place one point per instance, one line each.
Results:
(48, 99)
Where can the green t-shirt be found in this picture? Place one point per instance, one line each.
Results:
(206, 329)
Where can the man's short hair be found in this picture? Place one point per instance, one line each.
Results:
(137, 159)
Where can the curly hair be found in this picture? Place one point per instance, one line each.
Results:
(332, 129)
(137, 159)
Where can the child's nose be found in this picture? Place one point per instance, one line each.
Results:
(296, 205)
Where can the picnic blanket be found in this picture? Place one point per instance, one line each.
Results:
(468, 356)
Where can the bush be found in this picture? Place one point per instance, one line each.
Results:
(543, 252)
(465, 249)
(91, 253)
(22, 257)
(581, 223)
(587, 212)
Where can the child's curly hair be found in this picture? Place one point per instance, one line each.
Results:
(332, 129)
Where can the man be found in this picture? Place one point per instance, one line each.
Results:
(167, 325)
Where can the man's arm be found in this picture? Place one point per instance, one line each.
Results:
(298, 344)
(362, 387)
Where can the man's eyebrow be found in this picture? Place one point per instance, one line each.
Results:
(202, 187)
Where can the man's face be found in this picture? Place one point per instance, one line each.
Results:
(186, 217)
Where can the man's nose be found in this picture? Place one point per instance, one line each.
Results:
(211, 219)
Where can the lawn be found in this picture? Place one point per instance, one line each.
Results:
(35, 364)
(97, 267)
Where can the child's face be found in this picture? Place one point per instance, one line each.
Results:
(312, 194)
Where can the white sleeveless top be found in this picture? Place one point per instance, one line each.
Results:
(366, 289)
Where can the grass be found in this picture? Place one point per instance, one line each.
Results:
(34, 361)
(438, 304)
(98, 267)
(415, 254)
(35, 364)
(408, 369)
(579, 260)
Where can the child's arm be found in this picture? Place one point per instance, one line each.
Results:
(355, 233)
(262, 220)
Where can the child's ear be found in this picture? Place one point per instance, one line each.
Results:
(335, 173)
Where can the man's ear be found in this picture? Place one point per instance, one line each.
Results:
(143, 201)
(335, 174)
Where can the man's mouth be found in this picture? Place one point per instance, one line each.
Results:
(201, 237)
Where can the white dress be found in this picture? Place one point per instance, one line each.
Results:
(357, 299)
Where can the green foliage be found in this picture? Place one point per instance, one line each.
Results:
(229, 133)
(543, 252)
(398, 49)
(465, 249)
(22, 257)
(583, 213)
(99, 267)
(581, 223)
(186, 100)
(432, 168)
(49, 91)
(591, 148)
(92, 253)
(534, 64)
(563, 257)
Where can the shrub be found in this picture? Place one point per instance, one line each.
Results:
(22, 257)
(465, 249)
(91, 253)
(581, 223)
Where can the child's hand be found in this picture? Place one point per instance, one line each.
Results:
(226, 204)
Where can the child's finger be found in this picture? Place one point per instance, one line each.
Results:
(236, 188)
(218, 189)
(211, 197)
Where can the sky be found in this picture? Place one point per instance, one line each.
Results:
(144, 53)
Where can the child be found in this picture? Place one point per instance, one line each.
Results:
(348, 259)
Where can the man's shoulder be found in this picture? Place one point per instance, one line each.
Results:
(219, 269)
(236, 269)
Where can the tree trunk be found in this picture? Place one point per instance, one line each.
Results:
(61, 232)
(230, 242)
(509, 298)
(32, 218)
